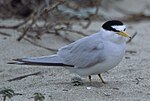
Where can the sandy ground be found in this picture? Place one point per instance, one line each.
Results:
(129, 81)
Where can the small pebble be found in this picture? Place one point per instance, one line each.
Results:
(116, 88)
(107, 94)
(88, 88)
(148, 93)
(127, 57)
(65, 89)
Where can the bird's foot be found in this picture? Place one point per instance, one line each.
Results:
(99, 75)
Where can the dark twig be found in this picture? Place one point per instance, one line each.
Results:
(71, 30)
(8, 27)
(89, 19)
(66, 38)
(36, 16)
(5, 34)
(26, 29)
(50, 49)
(131, 51)
(132, 37)
(15, 26)
(138, 79)
(24, 76)
(88, 23)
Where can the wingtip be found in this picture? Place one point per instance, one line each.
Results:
(11, 62)
(16, 61)
(19, 59)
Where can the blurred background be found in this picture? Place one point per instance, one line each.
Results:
(34, 18)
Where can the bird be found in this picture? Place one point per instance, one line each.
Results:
(90, 55)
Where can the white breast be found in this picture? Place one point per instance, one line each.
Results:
(114, 54)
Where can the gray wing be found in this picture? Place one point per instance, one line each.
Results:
(83, 53)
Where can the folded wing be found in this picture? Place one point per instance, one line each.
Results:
(83, 53)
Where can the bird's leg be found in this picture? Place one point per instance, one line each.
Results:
(101, 78)
(90, 79)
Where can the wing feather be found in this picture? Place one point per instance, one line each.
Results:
(83, 53)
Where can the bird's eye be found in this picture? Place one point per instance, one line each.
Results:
(124, 29)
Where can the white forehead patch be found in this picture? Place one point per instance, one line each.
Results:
(119, 28)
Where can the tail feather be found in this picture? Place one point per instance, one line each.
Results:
(52, 60)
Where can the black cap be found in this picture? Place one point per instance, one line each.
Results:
(108, 25)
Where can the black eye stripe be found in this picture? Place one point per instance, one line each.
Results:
(113, 29)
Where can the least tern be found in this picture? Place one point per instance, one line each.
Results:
(91, 55)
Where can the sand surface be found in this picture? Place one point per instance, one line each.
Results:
(129, 81)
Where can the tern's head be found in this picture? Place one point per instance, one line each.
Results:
(115, 26)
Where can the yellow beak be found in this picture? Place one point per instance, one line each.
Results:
(123, 34)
